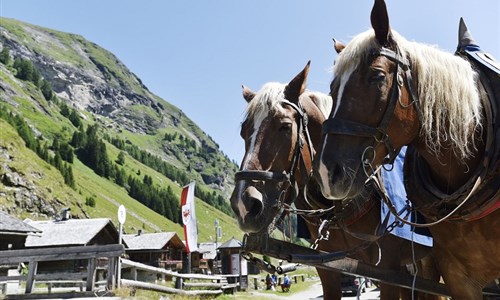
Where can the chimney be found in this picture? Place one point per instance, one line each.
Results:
(139, 232)
(65, 214)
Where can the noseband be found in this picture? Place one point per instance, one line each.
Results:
(285, 177)
(379, 133)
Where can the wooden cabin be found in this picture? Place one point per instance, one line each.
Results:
(162, 249)
(204, 259)
(13, 232)
(68, 233)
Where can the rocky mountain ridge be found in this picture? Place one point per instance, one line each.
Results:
(94, 82)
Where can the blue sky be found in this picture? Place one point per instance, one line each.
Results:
(197, 54)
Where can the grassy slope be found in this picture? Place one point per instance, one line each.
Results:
(108, 194)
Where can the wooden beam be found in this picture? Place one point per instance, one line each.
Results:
(164, 289)
(91, 270)
(139, 266)
(30, 281)
(202, 284)
(60, 253)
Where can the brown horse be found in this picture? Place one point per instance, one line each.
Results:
(279, 149)
(389, 92)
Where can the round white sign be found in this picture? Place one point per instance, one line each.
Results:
(122, 214)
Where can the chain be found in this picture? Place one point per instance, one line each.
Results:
(324, 226)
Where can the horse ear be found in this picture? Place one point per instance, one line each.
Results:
(338, 46)
(248, 94)
(380, 22)
(297, 86)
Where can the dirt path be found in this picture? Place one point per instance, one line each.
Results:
(313, 292)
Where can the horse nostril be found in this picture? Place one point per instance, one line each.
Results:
(253, 201)
(255, 206)
(337, 171)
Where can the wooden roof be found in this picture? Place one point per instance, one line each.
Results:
(152, 241)
(11, 225)
(73, 232)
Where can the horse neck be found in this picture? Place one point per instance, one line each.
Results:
(448, 171)
(314, 127)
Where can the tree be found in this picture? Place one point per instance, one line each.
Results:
(75, 118)
(148, 180)
(66, 152)
(5, 56)
(69, 179)
(121, 158)
(24, 69)
(64, 110)
(90, 201)
(79, 139)
(120, 176)
(46, 89)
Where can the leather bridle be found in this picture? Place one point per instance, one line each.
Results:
(379, 133)
(286, 177)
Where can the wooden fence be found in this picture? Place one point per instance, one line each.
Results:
(90, 253)
(184, 283)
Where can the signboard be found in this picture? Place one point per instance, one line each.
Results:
(122, 214)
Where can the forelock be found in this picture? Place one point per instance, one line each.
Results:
(355, 52)
(266, 100)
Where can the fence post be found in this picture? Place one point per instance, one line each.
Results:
(91, 269)
(33, 265)
(111, 276)
(178, 283)
(133, 272)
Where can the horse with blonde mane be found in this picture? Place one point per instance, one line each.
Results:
(389, 92)
(275, 171)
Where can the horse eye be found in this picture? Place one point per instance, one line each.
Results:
(285, 127)
(378, 77)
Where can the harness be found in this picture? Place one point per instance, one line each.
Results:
(330, 214)
(484, 186)
(482, 191)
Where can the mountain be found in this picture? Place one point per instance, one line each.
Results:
(80, 130)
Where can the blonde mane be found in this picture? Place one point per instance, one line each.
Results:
(447, 93)
(267, 100)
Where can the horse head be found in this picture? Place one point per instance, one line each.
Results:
(278, 149)
(372, 115)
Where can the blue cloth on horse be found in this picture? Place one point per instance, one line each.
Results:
(394, 186)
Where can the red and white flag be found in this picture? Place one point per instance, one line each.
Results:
(189, 217)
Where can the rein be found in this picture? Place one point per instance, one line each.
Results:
(330, 214)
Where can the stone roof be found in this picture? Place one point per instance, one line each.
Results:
(9, 224)
(72, 232)
(152, 241)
